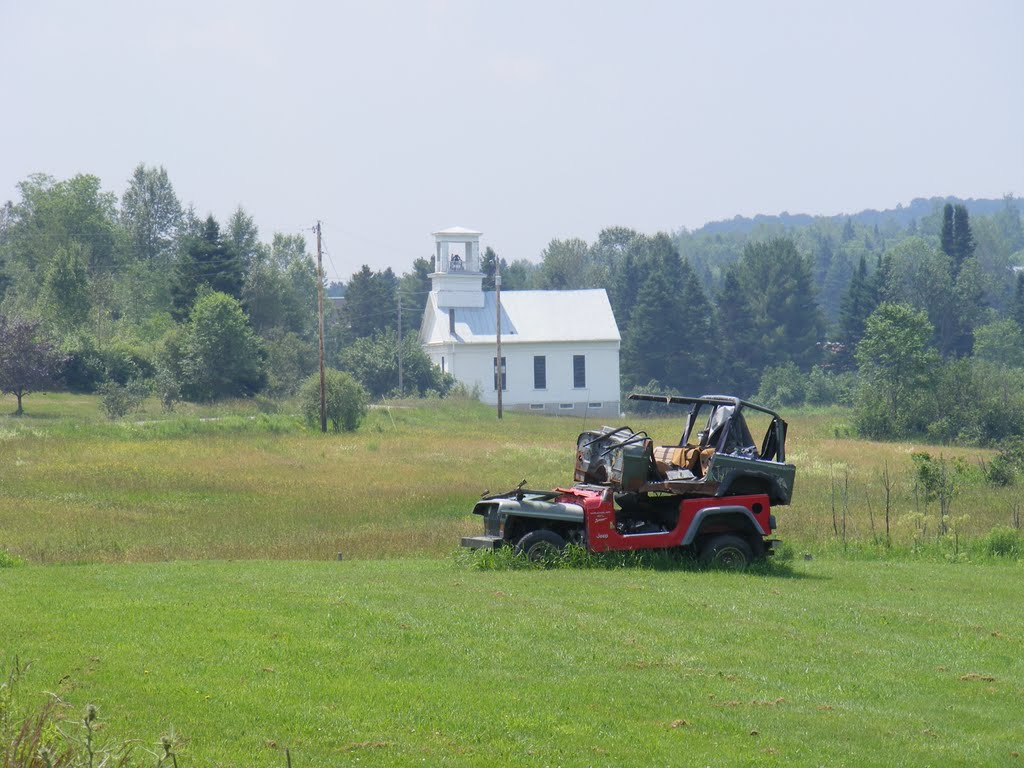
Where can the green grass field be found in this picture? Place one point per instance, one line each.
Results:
(429, 662)
(180, 573)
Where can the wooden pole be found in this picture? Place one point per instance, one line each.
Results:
(499, 368)
(320, 323)
(401, 389)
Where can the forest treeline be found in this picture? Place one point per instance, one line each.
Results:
(913, 316)
(915, 322)
(139, 294)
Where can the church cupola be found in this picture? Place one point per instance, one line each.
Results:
(457, 279)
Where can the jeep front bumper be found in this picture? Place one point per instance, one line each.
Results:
(482, 542)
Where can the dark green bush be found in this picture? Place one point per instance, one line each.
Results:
(1008, 463)
(84, 368)
(346, 401)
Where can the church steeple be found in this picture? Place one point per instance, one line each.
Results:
(457, 279)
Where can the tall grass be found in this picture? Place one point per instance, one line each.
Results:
(232, 482)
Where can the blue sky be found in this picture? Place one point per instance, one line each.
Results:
(526, 120)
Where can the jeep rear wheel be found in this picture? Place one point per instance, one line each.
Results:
(730, 553)
(540, 545)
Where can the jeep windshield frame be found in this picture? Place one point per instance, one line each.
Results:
(724, 421)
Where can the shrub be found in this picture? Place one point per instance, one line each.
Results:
(123, 362)
(84, 368)
(782, 386)
(827, 388)
(1007, 464)
(460, 391)
(1003, 542)
(346, 400)
(167, 388)
(118, 400)
(7, 560)
(87, 365)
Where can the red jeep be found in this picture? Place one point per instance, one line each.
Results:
(712, 493)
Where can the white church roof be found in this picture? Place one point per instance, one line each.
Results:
(527, 316)
(457, 231)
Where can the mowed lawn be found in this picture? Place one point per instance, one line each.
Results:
(431, 662)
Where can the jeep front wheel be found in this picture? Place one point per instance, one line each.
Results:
(729, 553)
(540, 545)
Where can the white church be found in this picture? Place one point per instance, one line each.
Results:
(560, 349)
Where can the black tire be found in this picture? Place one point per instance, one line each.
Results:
(540, 545)
(730, 553)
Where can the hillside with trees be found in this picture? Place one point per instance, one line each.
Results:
(799, 310)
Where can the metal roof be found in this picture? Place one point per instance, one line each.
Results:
(526, 316)
(457, 231)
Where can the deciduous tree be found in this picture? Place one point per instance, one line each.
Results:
(373, 361)
(221, 356)
(28, 360)
(64, 299)
(897, 367)
(151, 214)
(243, 237)
(565, 265)
(280, 288)
(1000, 342)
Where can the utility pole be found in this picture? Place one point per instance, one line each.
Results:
(499, 369)
(320, 323)
(401, 389)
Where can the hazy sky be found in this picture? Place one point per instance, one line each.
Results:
(526, 120)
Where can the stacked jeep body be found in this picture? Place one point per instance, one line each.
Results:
(711, 493)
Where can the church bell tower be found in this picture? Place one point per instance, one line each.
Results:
(457, 279)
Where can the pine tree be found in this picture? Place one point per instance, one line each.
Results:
(490, 264)
(208, 262)
(371, 303)
(883, 283)
(632, 270)
(857, 304)
(947, 238)
(963, 238)
(734, 371)
(969, 306)
(1017, 307)
(956, 239)
(783, 323)
(669, 338)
